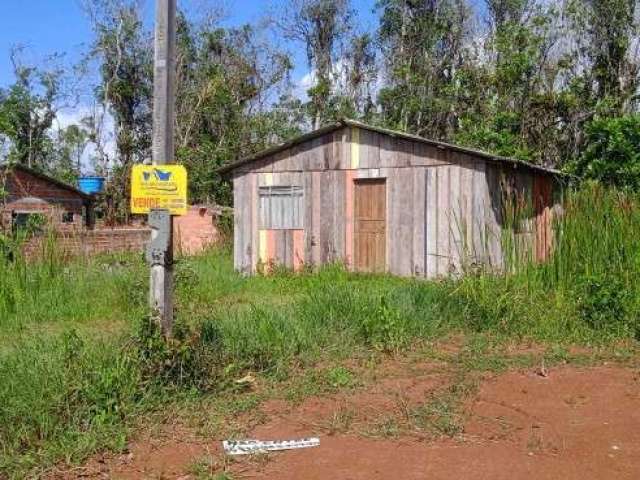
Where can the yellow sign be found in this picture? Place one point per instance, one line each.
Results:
(159, 186)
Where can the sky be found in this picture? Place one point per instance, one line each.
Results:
(45, 27)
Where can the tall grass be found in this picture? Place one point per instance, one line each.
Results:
(67, 389)
(587, 291)
(54, 292)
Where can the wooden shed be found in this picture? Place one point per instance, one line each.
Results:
(384, 201)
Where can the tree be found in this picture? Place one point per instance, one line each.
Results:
(424, 44)
(226, 83)
(605, 32)
(516, 87)
(124, 51)
(323, 27)
(27, 111)
(69, 144)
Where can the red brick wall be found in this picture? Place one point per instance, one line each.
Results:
(195, 231)
(92, 242)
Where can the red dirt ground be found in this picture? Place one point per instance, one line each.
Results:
(576, 423)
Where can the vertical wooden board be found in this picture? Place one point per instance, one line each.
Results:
(406, 207)
(479, 243)
(270, 248)
(419, 223)
(393, 221)
(280, 247)
(456, 219)
(237, 221)
(339, 214)
(418, 156)
(337, 150)
(444, 201)
(298, 249)
(306, 154)
(315, 155)
(289, 249)
(494, 215)
(295, 160)
(316, 227)
(399, 243)
(364, 151)
(279, 161)
(369, 149)
(387, 151)
(288, 161)
(326, 217)
(399, 258)
(308, 214)
(404, 152)
(348, 217)
(334, 151)
(345, 147)
(431, 220)
(466, 214)
(357, 240)
(254, 221)
(245, 224)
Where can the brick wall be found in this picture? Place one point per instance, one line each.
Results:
(195, 231)
(92, 242)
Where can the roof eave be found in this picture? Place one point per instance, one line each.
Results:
(227, 169)
(52, 180)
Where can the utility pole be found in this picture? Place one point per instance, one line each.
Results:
(161, 279)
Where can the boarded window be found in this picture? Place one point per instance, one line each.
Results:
(281, 207)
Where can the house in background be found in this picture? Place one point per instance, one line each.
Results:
(385, 201)
(27, 192)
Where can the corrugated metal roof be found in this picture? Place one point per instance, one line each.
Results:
(392, 133)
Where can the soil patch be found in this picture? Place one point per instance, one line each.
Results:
(570, 423)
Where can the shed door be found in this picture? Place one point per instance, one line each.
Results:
(370, 225)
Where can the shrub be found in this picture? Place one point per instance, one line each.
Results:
(605, 302)
(189, 359)
(612, 152)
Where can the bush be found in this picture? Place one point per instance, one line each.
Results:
(612, 152)
(605, 302)
(189, 359)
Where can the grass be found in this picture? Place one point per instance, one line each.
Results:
(80, 366)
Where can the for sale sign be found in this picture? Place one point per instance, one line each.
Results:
(159, 187)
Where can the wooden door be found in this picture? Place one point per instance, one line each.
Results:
(370, 225)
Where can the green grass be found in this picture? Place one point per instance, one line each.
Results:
(80, 367)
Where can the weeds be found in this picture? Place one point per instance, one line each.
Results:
(78, 367)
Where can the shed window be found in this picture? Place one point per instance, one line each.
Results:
(281, 207)
(67, 217)
(32, 222)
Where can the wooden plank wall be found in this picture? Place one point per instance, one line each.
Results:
(444, 210)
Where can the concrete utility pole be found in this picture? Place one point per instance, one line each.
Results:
(161, 281)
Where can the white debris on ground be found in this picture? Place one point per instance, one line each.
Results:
(247, 447)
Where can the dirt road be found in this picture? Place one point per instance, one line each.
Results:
(573, 423)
